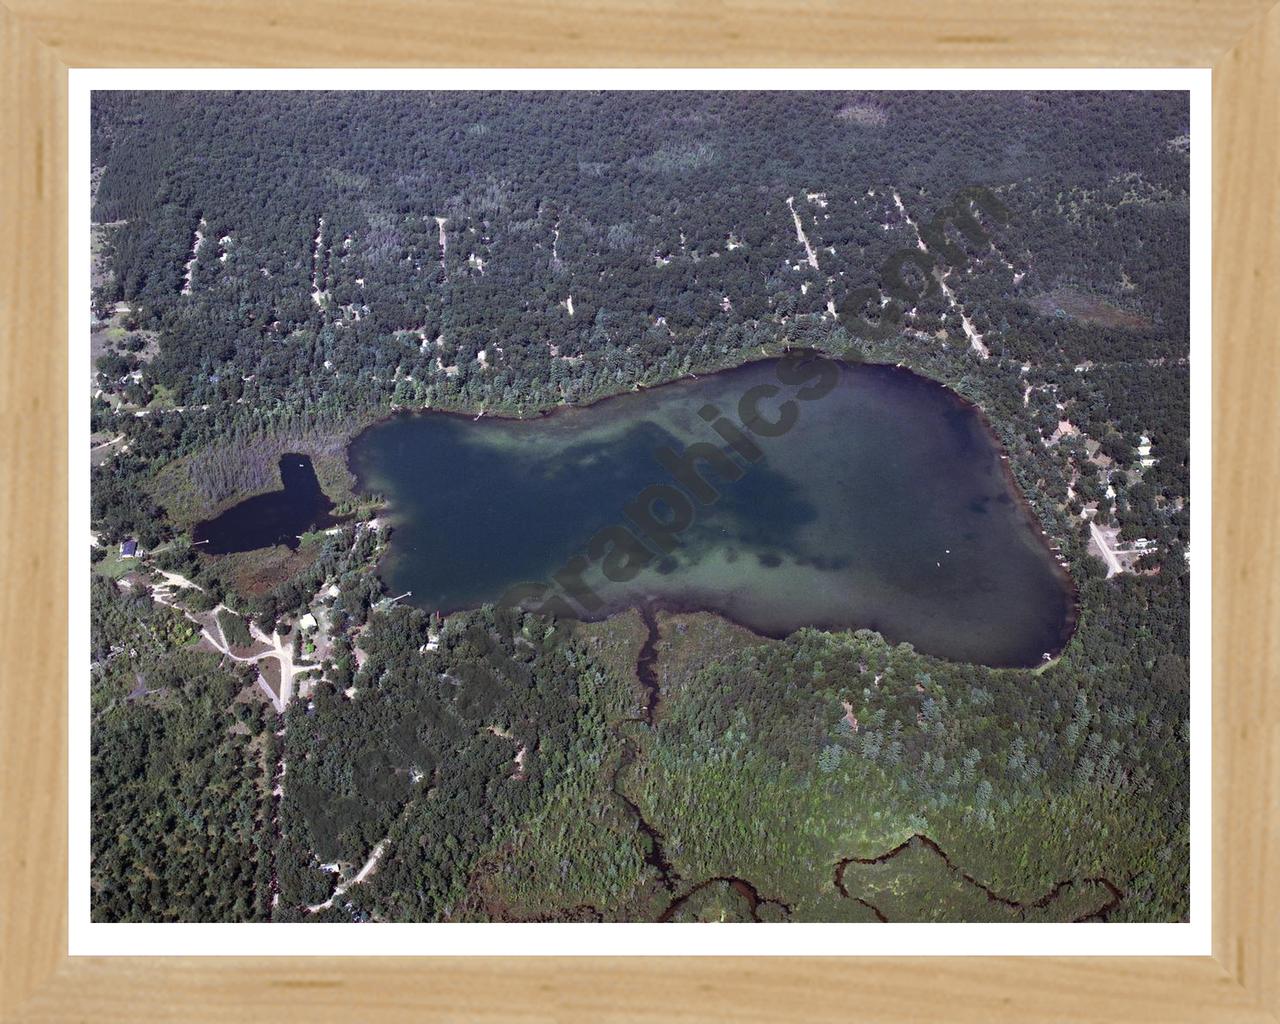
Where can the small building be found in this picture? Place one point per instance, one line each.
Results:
(129, 548)
(1144, 452)
(307, 621)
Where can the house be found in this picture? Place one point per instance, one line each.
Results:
(307, 621)
(129, 548)
(1144, 452)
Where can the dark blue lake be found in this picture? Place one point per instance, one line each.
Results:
(856, 496)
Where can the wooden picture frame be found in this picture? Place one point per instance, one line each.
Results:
(41, 39)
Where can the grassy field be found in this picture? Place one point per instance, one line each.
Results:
(162, 398)
(114, 565)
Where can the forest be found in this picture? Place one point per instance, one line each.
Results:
(180, 768)
(278, 270)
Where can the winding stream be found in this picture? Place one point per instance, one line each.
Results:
(655, 854)
(739, 885)
(1056, 890)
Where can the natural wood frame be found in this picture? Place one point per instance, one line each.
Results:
(41, 39)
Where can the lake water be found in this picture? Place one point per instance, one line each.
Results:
(878, 500)
(278, 517)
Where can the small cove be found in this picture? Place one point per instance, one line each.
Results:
(277, 517)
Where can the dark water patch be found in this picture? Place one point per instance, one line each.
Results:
(277, 517)
(887, 504)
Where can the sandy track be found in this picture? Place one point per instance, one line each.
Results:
(1108, 556)
(801, 237)
(280, 648)
(365, 871)
(970, 331)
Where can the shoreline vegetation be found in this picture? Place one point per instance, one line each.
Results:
(202, 484)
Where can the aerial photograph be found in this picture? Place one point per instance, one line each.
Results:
(639, 506)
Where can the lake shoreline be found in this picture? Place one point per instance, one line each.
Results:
(1028, 516)
(360, 489)
(1033, 522)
